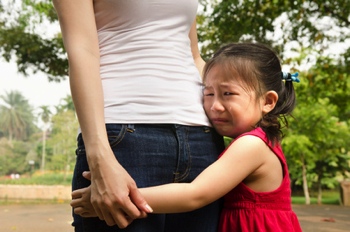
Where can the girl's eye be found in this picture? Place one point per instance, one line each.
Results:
(228, 93)
(208, 94)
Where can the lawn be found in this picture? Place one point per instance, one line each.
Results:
(39, 178)
(331, 197)
(59, 178)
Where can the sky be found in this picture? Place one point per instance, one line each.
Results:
(35, 88)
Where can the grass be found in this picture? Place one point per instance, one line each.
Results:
(58, 178)
(330, 197)
(32, 201)
(38, 178)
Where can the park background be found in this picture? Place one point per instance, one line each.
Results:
(312, 37)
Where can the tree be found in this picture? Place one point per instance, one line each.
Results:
(45, 116)
(279, 22)
(315, 23)
(66, 104)
(13, 156)
(62, 140)
(5, 152)
(22, 39)
(330, 79)
(304, 34)
(299, 157)
(316, 140)
(16, 116)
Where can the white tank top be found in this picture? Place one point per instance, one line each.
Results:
(147, 70)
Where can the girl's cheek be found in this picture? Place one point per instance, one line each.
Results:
(206, 106)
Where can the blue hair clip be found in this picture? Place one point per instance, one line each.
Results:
(290, 77)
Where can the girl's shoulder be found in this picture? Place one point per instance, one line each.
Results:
(248, 144)
(252, 143)
(259, 133)
(256, 135)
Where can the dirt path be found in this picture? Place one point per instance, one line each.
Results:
(35, 218)
(57, 218)
(324, 218)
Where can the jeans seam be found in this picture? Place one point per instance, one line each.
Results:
(179, 177)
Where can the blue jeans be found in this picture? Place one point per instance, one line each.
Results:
(153, 155)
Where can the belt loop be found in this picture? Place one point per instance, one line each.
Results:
(130, 128)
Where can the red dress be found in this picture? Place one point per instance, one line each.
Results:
(249, 211)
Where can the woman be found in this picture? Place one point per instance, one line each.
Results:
(134, 69)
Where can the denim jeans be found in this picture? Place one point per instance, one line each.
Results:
(153, 155)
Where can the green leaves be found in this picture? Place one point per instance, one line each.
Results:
(34, 50)
(304, 34)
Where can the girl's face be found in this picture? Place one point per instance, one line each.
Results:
(231, 108)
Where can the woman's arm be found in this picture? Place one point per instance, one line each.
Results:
(113, 191)
(194, 48)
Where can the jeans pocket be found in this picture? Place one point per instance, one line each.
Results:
(116, 134)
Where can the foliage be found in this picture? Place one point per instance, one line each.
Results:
(227, 141)
(276, 22)
(66, 104)
(63, 141)
(45, 114)
(304, 34)
(330, 79)
(20, 37)
(15, 154)
(316, 137)
(16, 116)
(13, 160)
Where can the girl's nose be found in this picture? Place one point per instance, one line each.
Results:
(217, 106)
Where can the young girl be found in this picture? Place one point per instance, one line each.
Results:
(245, 95)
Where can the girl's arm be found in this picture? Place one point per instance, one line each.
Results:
(111, 185)
(241, 159)
(194, 48)
(248, 157)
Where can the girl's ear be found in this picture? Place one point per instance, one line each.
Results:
(269, 101)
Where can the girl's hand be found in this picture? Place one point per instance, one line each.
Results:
(81, 202)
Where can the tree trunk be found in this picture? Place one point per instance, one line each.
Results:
(10, 139)
(305, 187)
(66, 170)
(319, 194)
(43, 152)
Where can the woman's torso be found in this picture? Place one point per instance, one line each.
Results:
(147, 70)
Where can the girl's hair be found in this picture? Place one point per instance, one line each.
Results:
(259, 69)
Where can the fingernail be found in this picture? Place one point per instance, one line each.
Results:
(150, 210)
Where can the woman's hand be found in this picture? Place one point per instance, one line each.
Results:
(82, 205)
